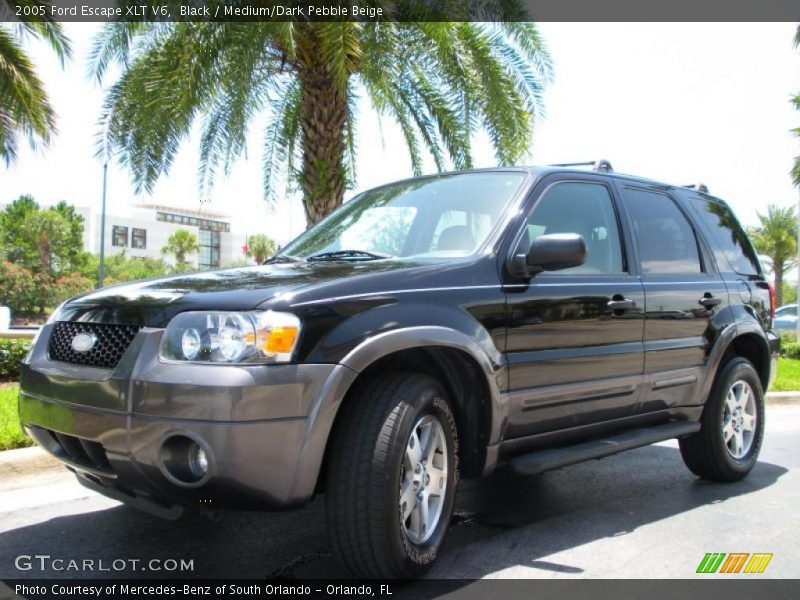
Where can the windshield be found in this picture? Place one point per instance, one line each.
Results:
(447, 216)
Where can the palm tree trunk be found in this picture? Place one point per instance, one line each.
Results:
(778, 283)
(323, 113)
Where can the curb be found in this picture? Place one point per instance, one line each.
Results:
(783, 397)
(26, 462)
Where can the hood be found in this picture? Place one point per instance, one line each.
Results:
(153, 302)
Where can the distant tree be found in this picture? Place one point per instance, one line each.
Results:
(180, 244)
(48, 232)
(31, 236)
(74, 256)
(441, 76)
(776, 239)
(25, 110)
(12, 239)
(260, 247)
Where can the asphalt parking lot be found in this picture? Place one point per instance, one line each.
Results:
(640, 514)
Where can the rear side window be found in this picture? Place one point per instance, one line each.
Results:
(665, 239)
(732, 248)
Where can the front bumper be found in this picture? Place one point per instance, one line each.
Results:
(263, 428)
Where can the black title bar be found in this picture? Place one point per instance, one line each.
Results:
(401, 10)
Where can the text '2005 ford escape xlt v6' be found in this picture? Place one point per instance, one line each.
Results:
(427, 330)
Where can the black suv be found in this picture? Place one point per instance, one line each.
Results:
(427, 330)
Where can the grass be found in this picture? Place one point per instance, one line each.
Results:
(11, 435)
(788, 378)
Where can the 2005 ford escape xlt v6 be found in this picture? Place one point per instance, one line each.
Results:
(427, 330)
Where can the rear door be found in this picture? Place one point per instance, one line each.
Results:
(683, 291)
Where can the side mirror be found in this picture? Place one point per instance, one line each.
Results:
(552, 252)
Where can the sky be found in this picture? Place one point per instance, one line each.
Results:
(676, 102)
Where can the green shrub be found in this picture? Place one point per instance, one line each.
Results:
(25, 292)
(788, 336)
(11, 354)
(790, 350)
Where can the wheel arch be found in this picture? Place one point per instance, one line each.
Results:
(739, 339)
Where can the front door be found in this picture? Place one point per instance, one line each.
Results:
(574, 343)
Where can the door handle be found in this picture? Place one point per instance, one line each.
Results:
(620, 303)
(709, 301)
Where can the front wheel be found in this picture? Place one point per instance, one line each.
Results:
(732, 428)
(392, 477)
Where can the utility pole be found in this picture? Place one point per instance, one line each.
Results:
(102, 270)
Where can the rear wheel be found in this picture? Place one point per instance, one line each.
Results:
(726, 447)
(392, 477)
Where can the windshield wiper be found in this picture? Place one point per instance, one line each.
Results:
(283, 258)
(345, 254)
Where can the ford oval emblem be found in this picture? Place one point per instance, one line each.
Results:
(83, 342)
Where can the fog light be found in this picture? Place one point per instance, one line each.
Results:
(185, 461)
(198, 461)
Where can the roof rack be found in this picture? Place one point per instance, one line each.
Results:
(597, 165)
(697, 187)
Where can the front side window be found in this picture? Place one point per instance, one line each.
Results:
(119, 236)
(448, 216)
(585, 209)
(665, 239)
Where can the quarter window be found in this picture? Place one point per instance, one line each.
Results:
(666, 241)
(732, 249)
(585, 209)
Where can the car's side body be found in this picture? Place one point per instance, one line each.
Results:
(529, 363)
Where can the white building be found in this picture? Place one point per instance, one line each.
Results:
(144, 232)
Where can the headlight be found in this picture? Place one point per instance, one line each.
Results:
(231, 337)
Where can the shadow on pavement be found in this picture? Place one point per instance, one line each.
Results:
(564, 509)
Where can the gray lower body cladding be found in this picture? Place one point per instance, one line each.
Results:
(263, 429)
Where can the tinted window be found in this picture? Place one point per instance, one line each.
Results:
(667, 244)
(585, 209)
(732, 249)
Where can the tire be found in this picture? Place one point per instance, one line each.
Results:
(708, 453)
(370, 461)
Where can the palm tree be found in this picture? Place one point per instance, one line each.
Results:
(25, 110)
(260, 247)
(796, 102)
(776, 239)
(441, 81)
(48, 232)
(180, 244)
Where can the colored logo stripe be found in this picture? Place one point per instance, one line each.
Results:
(713, 562)
(758, 563)
(734, 562)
